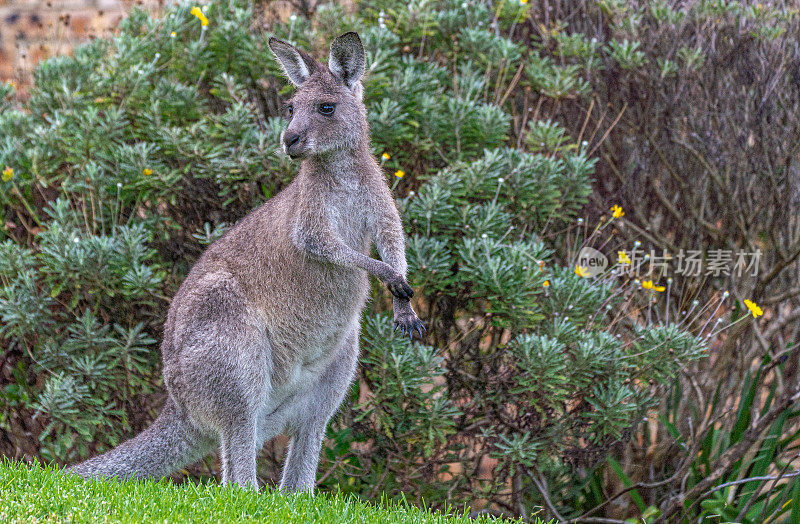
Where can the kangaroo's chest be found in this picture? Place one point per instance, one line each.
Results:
(348, 219)
(323, 302)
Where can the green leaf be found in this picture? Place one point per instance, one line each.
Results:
(626, 481)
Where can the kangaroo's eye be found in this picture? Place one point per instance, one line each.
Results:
(327, 108)
(290, 110)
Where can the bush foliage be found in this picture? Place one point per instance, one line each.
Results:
(130, 157)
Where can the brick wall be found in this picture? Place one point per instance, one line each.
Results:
(31, 30)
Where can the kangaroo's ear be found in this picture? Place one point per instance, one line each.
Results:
(297, 64)
(347, 59)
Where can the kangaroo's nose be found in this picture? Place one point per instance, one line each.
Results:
(291, 139)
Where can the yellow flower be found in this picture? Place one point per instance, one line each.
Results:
(753, 307)
(523, 2)
(147, 171)
(648, 284)
(399, 173)
(386, 156)
(11, 83)
(546, 283)
(200, 16)
(623, 258)
(173, 34)
(8, 174)
(582, 271)
(617, 211)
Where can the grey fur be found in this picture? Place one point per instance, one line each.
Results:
(262, 336)
(298, 65)
(346, 60)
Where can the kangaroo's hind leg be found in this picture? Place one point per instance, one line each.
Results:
(237, 408)
(309, 418)
(238, 453)
(224, 360)
(237, 382)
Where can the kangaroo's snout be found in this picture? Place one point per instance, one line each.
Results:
(293, 144)
(291, 139)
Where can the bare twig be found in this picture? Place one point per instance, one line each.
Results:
(546, 496)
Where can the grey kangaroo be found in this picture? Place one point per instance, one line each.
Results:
(262, 336)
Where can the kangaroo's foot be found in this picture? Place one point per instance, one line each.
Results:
(406, 320)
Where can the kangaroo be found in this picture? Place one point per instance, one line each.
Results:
(262, 337)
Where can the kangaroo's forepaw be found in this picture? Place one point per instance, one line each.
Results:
(400, 288)
(408, 322)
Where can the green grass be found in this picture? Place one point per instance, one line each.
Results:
(33, 493)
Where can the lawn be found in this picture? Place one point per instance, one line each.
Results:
(33, 493)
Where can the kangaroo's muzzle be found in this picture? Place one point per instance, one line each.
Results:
(294, 144)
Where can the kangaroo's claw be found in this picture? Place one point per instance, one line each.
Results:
(408, 324)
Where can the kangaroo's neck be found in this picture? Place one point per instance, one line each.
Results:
(351, 166)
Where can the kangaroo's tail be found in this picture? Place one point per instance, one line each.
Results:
(170, 443)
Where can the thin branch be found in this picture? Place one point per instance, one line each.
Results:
(540, 486)
(512, 85)
(605, 135)
(750, 479)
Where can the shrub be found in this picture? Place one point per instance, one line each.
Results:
(693, 115)
(136, 152)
